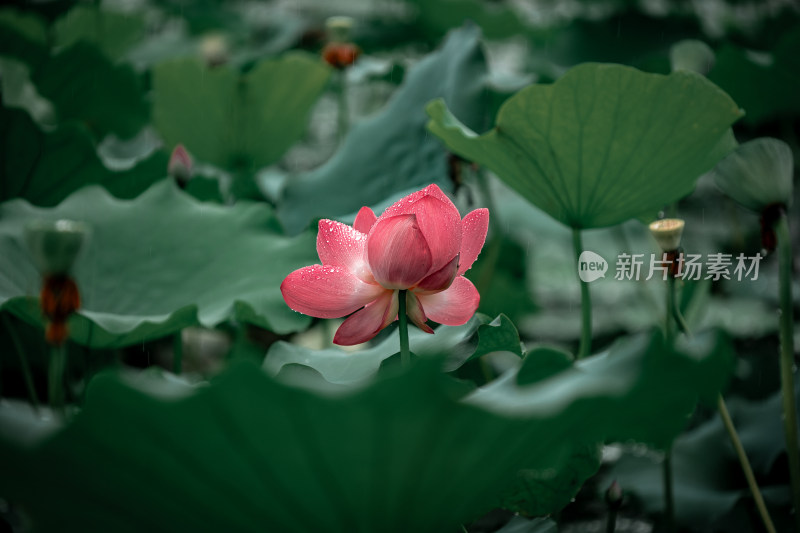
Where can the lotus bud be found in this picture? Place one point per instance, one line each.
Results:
(667, 232)
(180, 166)
(54, 245)
(757, 174)
(614, 496)
(692, 55)
(214, 49)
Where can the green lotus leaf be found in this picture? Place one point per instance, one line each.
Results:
(501, 277)
(391, 153)
(764, 84)
(460, 344)
(543, 362)
(757, 173)
(401, 453)
(603, 144)
(109, 100)
(112, 32)
(437, 17)
(23, 35)
(704, 464)
(45, 167)
(541, 491)
(198, 263)
(233, 120)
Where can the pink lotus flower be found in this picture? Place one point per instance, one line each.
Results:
(419, 244)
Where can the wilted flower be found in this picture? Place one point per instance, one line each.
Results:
(340, 52)
(54, 246)
(419, 244)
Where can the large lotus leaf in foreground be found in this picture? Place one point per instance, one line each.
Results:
(390, 152)
(200, 263)
(233, 120)
(401, 453)
(603, 144)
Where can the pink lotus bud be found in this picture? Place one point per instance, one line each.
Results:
(614, 495)
(180, 165)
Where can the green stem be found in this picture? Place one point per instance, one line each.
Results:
(55, 390)
(669, 499)
(177, 353)
(611, 521)
(787, 359)
(586, 300)
(405, 353)
(674, 312)
(669, 335)
(27, 375)
(670, 311)
(746, 468)
(343, 113)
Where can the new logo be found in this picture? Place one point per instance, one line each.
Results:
(591, 266)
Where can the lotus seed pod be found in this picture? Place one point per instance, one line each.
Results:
(214, 49)
(757, 173)
(692, 55)
(339, 29)
(667, 233)
(54, 245)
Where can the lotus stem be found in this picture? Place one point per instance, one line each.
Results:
(405, 353)
(671, 311)
(611, 521)
(746, 468)
(27, 375)
(669, 335)
(55, 391)
(586, 300)
(343, 117)
(784, 246)
(674, 312)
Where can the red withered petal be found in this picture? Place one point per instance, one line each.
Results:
(454, 306)
(397, 252)
(363, 325)
(59, 297)
(327, 291)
